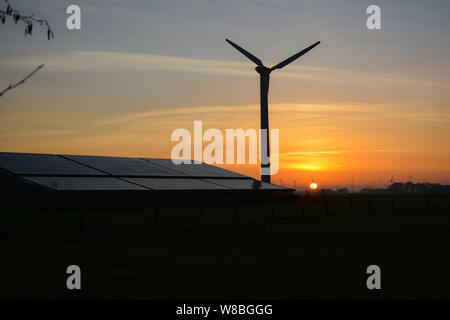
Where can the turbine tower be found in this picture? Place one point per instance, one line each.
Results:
(264, 77)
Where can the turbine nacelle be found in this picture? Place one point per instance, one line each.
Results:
(263, 70)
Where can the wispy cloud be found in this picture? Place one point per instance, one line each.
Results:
(293, 109)
(130, 117)
(43, 133)
(334, 152)
(107, 61)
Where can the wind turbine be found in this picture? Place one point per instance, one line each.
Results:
(264, 76)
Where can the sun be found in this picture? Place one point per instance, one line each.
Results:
(313, 186)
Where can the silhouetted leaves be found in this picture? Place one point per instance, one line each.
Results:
(29, 29)
(28, 20)
(50, 34)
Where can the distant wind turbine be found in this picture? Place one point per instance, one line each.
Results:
(264, 76)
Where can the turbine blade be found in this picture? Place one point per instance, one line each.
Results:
(245, 53)
(294, 57)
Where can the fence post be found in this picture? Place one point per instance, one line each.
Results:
(351, 205)
(198, 205)
(41, 228)
(326, 204)
(369, 198)
(82, 224)
(83, 208)
(200, 218)
(273, 210)
(302, 201)
(157, 217)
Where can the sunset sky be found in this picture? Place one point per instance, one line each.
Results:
(364, 104)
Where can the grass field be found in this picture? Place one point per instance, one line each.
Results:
(229, 255)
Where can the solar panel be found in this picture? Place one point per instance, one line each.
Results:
(84, 173)
(42, 164)
(245, 184)
(196, 170)
(124, 166)
(84, 184)
(176, 184)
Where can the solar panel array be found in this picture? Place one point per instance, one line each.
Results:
(175, 184)
(244, 184)
(81, 183)
(198, 170)
(123, 166)
(95, 173)
(43, 164)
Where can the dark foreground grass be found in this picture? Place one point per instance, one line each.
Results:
(305, 258)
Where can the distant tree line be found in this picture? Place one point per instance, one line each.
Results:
(409, 187)
(396, 187)
(418, 187)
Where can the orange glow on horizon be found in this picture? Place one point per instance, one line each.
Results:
(361, 152)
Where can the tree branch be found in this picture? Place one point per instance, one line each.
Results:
(28, 20)
(9, 12)
(12, 86)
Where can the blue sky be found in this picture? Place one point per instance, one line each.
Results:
(413, 43)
